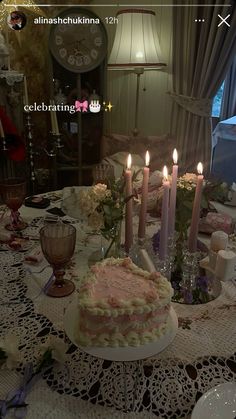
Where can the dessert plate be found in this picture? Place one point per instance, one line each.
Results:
(127, 353)
(217, 403)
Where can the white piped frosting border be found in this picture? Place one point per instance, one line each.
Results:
(133, 306)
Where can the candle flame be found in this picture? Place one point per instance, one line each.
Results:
(175, 156)
(200, 168)
(147, 158)
(165, 173)
(129, 162)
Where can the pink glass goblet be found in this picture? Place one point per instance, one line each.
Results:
(58, 245)
(13, 192)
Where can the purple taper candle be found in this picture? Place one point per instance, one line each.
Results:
(129, 207)
(144, 199)
(171, 223)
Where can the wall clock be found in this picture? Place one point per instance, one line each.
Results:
(78, 47)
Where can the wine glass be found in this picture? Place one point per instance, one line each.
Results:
(13, 192)
(58, 245)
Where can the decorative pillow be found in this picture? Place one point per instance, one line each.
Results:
(114, 143)
(119, 161)
(160, 147)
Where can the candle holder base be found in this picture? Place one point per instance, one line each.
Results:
(193, 284)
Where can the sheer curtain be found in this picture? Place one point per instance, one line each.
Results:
(202, 54)
(228, 105)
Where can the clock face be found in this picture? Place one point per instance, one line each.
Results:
(78, 47)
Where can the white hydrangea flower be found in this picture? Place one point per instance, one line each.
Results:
(10, 345)
(100, 191)
(58, 347)
(88, 204)
(95, 220)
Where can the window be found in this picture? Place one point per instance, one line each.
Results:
(217, 102)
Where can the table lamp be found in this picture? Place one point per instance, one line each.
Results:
(136, 47)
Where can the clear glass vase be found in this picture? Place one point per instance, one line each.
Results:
(112, 247)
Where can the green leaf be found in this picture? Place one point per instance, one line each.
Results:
(3, 354)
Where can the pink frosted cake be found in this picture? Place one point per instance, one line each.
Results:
(120, 304)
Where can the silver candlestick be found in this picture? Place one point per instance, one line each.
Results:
(30, 149)
(4, 144)
(57, 140)
(56, 147)
(5, 167)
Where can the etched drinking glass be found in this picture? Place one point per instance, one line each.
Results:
(58, 246)
(13, 191)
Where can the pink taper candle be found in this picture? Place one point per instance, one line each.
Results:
(171, 225)
(129, 207)
(144, 199)
(164, 216)
(192, 240)
(1, 130)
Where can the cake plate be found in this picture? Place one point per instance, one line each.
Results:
(127, 353)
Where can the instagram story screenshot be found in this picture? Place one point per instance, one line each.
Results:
(118, 209)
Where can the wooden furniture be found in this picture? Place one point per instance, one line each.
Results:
(78, 55)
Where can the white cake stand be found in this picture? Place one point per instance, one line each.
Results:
(129, 353)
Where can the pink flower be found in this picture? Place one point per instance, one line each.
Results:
(126, 262)
(154, 276)
(150, 296)
(114, 302)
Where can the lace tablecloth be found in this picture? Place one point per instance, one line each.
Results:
(165, 386)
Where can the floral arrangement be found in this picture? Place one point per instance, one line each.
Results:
(103, 205)
(186, 186)
(199, 295)
(54, 349)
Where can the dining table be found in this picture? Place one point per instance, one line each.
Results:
(166, 385)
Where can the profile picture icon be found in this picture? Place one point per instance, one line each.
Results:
(16, 20)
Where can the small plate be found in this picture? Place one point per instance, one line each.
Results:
(24, 245)
(218, 403)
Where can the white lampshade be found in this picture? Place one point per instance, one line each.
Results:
(136, 41)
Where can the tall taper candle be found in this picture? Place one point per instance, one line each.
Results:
(26, 97)
(192, 240)
(144, 199)
(56, 123)
(171, 223)
(55, 129)
(52, 118)
(1, 130)
(129, 206)
(164, 216)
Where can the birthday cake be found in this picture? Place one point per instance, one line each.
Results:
(120, 304)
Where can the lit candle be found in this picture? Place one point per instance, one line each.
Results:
(1, 130)
(164, 216)
(192, 240)
(26, 97)
(171, 225)
(129, 206)
(144, 199)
